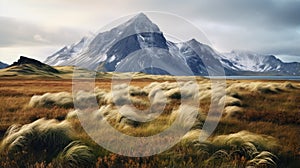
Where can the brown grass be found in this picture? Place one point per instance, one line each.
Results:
(274, 114)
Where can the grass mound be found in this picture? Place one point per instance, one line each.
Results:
(44, 141)
(61, 99)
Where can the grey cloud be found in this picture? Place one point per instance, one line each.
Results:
(14, 32)
(266, 12)
(268, 26)
(287, 13)
(270, 14)
(257, 39)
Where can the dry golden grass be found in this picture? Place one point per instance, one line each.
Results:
(265, 112)
(16, 93)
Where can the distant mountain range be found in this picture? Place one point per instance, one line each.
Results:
(28, 68)
(3, 65)
(138, 45)
(242, 61)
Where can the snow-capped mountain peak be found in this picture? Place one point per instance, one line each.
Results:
(138, 43)
(250, 61)
(141, 22)
(137, 33)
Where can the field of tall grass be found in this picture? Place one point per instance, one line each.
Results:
(259, 127)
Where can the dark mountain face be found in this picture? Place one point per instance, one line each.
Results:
(25, 60)
(32, 62)
(155, 71)
(138, 45)
(202, 59)
(131, 44)
(3, 65)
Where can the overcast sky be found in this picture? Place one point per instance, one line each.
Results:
(38, 28)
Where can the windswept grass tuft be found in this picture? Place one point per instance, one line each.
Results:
(75, 154)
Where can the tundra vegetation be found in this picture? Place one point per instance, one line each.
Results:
(259, 127)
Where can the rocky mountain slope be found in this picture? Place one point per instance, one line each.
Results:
(138, 45)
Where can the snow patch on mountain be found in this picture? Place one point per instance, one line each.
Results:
(250, 61)
(66, 53)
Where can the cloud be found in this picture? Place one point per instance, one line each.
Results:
(289, 58)
(226, 37)
(39, 38)
(16, 32)
(269, 26)
(11, 53)
(269, 13)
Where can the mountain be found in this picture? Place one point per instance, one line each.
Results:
(65, 53)
(138, 40)
(31, 68)
(29, 62)
(28, 67)
(3, 65)
(258, 63)
(202, 59)
(138, 45)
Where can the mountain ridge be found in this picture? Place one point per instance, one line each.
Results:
(3, 65)
(109, 51)
(37, 64)
(30, 68)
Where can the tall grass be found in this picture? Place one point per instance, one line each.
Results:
(45, 141)
(75, 154)
(267, 110)
(43, 138)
